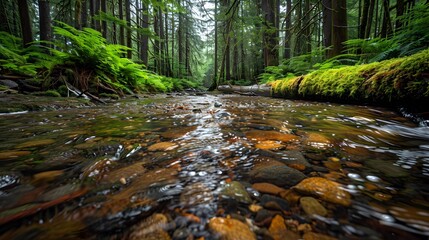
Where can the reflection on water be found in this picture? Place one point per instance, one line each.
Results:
(214, 167)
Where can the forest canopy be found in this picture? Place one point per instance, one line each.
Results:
(122, 46)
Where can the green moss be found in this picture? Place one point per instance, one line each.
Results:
(48, 93)
(393, 81)
(63, 90)
(109, 95)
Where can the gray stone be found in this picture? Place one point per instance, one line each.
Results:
(235, 190)
(281, 176)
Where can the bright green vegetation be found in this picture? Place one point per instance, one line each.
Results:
(83, 59)
(399, 80)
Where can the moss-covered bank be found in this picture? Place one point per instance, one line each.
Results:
(391, 82)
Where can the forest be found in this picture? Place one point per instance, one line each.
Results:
(124, 46)
(214, 119)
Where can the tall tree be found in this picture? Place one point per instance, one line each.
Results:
(129, 31)
(45, 20)
(270, 33)
(339, 21)
(144, 37)
(288, 26)
(24, 16)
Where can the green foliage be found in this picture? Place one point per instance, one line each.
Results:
(401, 80)
(13, 58)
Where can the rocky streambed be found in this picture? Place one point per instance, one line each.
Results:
(213, 167)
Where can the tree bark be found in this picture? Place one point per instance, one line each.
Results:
(386, 28)
(129, 32)
(121, 27)
(45, 21)
(270, 33)
(400, 9)
(144, 37)
(288, 20)
(364, 19)
(327, 25)
(370, 18)
(24, 16)
(339, 26)
(180, 43)
(104, 23)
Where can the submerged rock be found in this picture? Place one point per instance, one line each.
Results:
(230, 229)
(312, 207)
(35, 143)
(151, 228)
(260, 135)
(282, 176)
(268, 188)
(162, 146)
(9, 155)
(278, 228)
(327, 190)
(269, 145)
(195, 194)
(235, 190)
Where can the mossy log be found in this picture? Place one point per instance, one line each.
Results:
(256, 90)
(400, 81)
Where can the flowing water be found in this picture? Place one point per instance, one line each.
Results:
(214, 166)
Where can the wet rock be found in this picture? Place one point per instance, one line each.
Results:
(125, 172)
(10, 155)
(264, 214)
(151, 228)
(230, 229)
(235, 190)
(269, 145)
(194, 194)
(177, 132)
(59, 192)
(327, 190)
(260, 135)
(218, 104)
(281, 176)
(255, 208)
(162, 146)
(47, 176)
(317, 141)
(312, 207)
(316, 236)
(387, 168)
(268, 188)
(274, 203)
(8, 180)
(290, 196)
(278, 228)
(35, 143)
(294, 157)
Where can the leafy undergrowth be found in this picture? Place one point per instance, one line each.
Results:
(394, 81)
(82, 59)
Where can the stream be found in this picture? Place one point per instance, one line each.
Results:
(184, 166)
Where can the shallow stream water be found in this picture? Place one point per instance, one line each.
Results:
(214, 166)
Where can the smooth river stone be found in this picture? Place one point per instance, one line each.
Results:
(312, 207)
(235, 190)
(327, 190)
(268, 188)
(162, 146)
(281, 176)
(269, 145)
(278, 228)
(8, 155)
(151, 228)
(35, 143)
(230, 229)
(260, 135)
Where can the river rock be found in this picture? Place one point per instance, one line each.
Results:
(387, 168)
(35, 143)
(47, 176)
(269, 145)
(162, 146)
(312, 207)
(268, 188)
(260, 135)
(278, 228)
(317, 141)
(294, 157)
(327, 190)
(274, 203)
(9, 155)
(235, 190)
(281, 176)
(316, 236)
(230, 229)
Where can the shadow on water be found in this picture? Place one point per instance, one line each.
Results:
(226, 166)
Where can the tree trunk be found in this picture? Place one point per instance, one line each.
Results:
(386, 28)
(180, 43)
(339, 20)
(144, 37)
(327, 25)
(216, 66)
(307, 33)
(370, 18)
(45, 20)
(24, 16)
(162, 43)
(129, 34)
(121, 27)
(156, 55)
(104, 23)
(400, 9)
(235, 58)
(364, 19)
(270, 33)
(77, 14)
(288, 20)
(5, 26)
